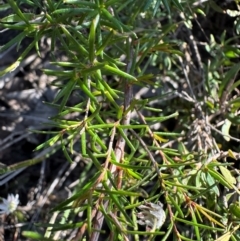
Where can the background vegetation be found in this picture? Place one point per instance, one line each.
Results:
(142, 99)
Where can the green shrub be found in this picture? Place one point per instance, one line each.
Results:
(113, 49)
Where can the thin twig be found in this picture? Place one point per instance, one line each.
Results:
(219, 132)
(148, 152)
(220, 155)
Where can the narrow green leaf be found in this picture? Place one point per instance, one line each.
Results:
(216, 7)
(155, 233)
(119, 192)
(65, 152)
(49, 142)
(81, 49)
(211, 183)
(97, 164)
(156, 7)
(161, 118)
(166, 5)
(168, 133)
(104, 85)
(107, 218)
(177, 206)
(115, 23)
(120, 112)
(33, 235)
(113, 61)
(66, 94)
(134, 174)
(92, 35)
(92, 69)
(119, 72)
(19, 60)
(16, 26)
(192, 224)
(93, 109)
(196, 228)
(15, 18)
(72, 11)
(18, 11)
(115, 199)
(83, 144)
(10, 68)
(105, 43)
(82, 3)
(65, 64)
(56, 227)
(96, 142)
(178, 5)
(59, 73)
(101, 126)
(4, 7)
(65, 91)
(83, 193)
(172, 184)
(89, 214)
(86, 90)
(217, 176)
(129, 143)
